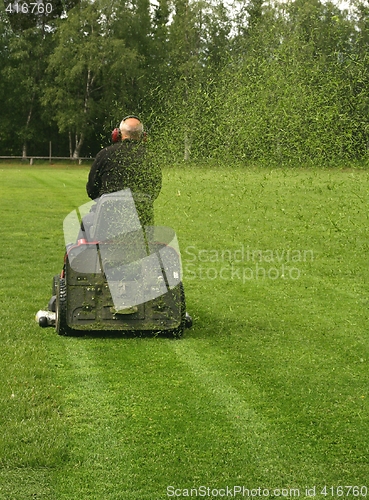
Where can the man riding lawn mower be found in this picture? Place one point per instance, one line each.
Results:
(121, 273)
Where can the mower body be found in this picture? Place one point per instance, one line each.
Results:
(120, 275)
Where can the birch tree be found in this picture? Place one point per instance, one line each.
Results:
(22, 76)
(87, 64)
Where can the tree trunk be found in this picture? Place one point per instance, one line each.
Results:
(79, 139)
(78, 145)
(24, 148)
(187, 138)
(70, 145)
(187, 146)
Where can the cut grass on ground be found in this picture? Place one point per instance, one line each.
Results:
(270, 387)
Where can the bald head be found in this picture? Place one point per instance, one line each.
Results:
(131, 128)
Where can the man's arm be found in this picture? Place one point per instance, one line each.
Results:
(94, 182)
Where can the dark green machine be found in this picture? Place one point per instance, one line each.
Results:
(120, 276)
(84, 299)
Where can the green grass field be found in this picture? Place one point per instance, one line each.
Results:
(268, 390)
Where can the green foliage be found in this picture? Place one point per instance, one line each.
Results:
(22, 82)
(264, 82)
(289, 87)
(79, 91)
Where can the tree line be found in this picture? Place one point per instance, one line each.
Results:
(252, 81)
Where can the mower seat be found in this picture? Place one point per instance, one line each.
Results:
(119, 214)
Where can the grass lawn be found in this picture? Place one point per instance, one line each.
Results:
(268, 390)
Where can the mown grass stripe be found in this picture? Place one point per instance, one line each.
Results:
(238, 410)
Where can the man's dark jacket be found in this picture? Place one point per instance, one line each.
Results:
(121, 166)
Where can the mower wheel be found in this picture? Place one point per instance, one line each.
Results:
(43, 322)
(188, 321)
(61, 324)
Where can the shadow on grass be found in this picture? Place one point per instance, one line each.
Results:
(119, 334)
